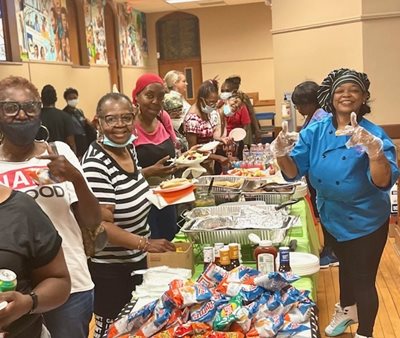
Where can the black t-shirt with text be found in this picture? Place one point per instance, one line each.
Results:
(28, 241)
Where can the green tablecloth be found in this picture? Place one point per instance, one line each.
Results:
(307, 241)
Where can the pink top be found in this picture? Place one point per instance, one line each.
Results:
(164, 130)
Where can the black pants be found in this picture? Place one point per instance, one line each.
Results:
(359, 260)
(113, 290)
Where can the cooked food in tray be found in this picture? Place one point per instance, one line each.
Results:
(248, 172)
(229, 184)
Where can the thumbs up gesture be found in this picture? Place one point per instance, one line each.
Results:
(361, 137)
(284, 142)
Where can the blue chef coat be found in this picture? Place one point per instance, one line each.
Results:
(349, 203)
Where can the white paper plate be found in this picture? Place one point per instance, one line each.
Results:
(209, 146)
(238, 134)
(302, 263)
(172, 189)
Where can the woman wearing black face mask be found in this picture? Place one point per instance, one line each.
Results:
(55, 181)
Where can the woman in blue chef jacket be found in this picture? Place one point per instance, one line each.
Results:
(351, 163)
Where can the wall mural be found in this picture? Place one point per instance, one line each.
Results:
(43, 32)
(132, 36)
(95, 32)
(2, 43)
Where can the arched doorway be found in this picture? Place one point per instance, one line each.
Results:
(178, 45)
(114, 64)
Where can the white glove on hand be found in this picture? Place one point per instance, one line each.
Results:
(361, 137)
(284, 142)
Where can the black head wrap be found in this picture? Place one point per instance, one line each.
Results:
(334, 80)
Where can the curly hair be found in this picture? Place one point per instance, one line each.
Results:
(69, 91)
(18, 82)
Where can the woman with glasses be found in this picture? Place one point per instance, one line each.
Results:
(56, 183)
(110, 166)
(203, 122)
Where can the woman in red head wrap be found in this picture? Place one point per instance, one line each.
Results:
(154, 146)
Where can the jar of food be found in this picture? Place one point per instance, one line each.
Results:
(265, 255)
(204, 199)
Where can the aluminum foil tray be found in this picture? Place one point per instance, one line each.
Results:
(204, 182)
(231, 210)
(233, 236)
(269, 197)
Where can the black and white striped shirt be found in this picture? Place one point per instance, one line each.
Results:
(126, 191)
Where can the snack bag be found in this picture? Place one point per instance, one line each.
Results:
(266, 327)
(189, 295)
(212, 276)
(226, 314)
(133, 321)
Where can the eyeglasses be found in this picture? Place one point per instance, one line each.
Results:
(12, 108)
(112, 120)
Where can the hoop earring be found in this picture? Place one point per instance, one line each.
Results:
(46, 138)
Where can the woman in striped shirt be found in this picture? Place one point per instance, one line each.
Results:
(110, 167)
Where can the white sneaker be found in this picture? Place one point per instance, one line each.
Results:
(360, 336)
(342, 318)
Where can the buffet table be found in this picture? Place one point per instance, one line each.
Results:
(307, 241)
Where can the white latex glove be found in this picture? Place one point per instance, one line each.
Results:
(284, 142)
(371, 144)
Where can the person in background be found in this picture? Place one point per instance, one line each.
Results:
(58, 123)
(175, 82)
(231, 84)
(237, 117)
(305, 99)
(31, 248)
(111, 168)
(84, 132)
(155, 145)
(52, 175)
(203, 123)
(173, 105)
(351, 163)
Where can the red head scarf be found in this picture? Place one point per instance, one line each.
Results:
(143, 81)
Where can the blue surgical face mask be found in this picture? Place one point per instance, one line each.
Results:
(225, 95)
(228, 110)
(108, 142)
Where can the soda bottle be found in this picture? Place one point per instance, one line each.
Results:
(284, 259)
(208, 256)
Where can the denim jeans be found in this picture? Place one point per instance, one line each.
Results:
(72, 318)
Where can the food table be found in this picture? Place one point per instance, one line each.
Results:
(307, 241)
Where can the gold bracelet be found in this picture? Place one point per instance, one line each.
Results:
(140, 244)
(146, 244)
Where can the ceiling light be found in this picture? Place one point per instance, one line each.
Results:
(180, 1)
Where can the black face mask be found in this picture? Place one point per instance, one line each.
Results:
(20, 133)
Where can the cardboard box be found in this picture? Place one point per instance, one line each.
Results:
(182, 258)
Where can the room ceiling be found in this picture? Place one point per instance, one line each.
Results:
(153, 6)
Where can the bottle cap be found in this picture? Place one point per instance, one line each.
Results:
(266, 242)
(284, 248)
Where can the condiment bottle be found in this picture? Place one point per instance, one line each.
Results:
(284, 259)
(217, 247)
(208, 256)
(234, 255)
(224, 260)
(265, 255)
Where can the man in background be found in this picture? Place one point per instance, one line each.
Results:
(58, 122)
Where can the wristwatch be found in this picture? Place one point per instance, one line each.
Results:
(34, 301)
